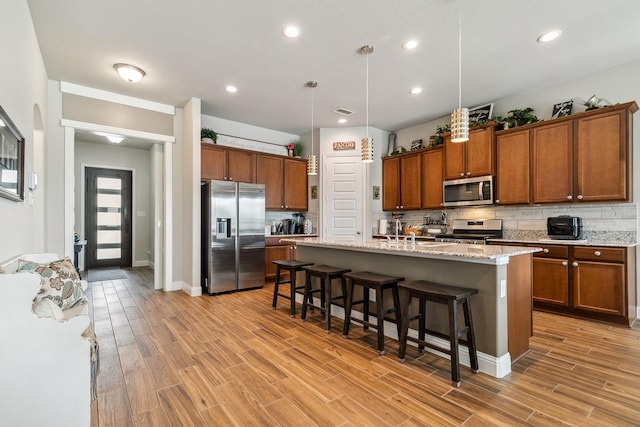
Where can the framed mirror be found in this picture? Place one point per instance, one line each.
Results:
(11, 159)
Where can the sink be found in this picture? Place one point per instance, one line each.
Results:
(433, 243)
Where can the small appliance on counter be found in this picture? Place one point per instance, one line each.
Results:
(564, 227)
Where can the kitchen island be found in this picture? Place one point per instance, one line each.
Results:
(502, 274)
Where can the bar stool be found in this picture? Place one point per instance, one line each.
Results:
(380, 283)
(451, 296)
(292, 266)
(326, 273)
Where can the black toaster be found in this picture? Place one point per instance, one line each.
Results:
(564, 227)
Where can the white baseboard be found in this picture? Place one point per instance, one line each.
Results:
(497, 367)
(175, 286)
(194, 291)
(141, 263)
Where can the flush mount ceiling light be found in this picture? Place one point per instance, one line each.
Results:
(130, 73)
(460, 116)
(341, 121)
(366, 148)
(415, 90)
(231, 89)
(312, 160)
(549, 36)
(410, 44)
(291, 31)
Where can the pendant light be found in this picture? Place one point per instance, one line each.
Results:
(366, 149)
(312, 160)
(460, 116)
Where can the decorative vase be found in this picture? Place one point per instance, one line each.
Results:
(290, 153)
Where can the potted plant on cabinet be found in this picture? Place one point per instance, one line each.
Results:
(208, 135)
(297, 149)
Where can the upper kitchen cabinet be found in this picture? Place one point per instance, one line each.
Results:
(401, 182)
(512, 168)
(583, 158)
(472, 158)
(432, 172)
(285, 181)
(227, 164)
(552, 159)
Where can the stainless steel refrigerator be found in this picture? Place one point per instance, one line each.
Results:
(233, 224)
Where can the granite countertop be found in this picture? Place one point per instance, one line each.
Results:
(582, 242)
(485, 254)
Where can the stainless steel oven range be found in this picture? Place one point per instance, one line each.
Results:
(472, 231)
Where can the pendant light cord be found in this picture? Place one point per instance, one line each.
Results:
(367, 97)
(460, 54)
(312, 87)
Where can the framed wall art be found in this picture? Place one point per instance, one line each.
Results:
(11, 159)
(481, 113)
(562, 109)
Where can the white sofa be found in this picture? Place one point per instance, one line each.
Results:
(45, 368)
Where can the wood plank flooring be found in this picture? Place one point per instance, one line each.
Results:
(168, 359)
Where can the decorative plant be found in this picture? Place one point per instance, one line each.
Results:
(399, 150)
(297, 148)
(437, 138)
(520, 117)
(208, 133)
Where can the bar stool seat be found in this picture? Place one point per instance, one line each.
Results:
(326, 274)
(380, 283)
(451, 296)
(292, 266)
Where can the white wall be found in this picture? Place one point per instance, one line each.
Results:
(22, 87)
(114, 157)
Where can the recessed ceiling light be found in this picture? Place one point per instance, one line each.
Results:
(291, 31)
(342, 121)
(548, 36)
(415, 90)
(130, 73)
(410, 44)
(231, 89)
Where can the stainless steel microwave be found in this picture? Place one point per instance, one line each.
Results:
(468, 191)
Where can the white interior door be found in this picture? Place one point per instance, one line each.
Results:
(342, 216)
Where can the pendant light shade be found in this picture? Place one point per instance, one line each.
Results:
(460, 116)
(366, 147)
(312, 160)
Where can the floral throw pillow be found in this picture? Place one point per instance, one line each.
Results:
(60, 286)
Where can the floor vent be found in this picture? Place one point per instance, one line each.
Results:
(343, 111)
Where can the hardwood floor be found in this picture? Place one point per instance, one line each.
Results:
(168, 359)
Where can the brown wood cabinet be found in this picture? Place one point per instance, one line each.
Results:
(431, 181)
(227, 164)
(552, 159)
(401, 179)
(551, 275)
(586, 281)
(276, 250)
(512, 168)
(472, 158)
(583, 158)
(285, 181)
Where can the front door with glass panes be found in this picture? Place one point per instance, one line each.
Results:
(108, 217)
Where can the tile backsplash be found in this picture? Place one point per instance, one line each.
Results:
(600, 222)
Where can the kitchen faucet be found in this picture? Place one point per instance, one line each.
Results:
(398, 225)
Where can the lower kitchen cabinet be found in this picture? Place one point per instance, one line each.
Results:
(276, 250)
(586, 281)
(591, 282)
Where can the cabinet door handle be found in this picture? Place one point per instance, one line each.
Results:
(468, 173)
(579, 196)
(575, 264)
(597, 253)
(569, 197)
(358, 233)
(565, 263)
(545, 250)
(401, 207)
(461, 173)
(497, 201)
(397, 207)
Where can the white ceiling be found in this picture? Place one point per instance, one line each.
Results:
(194, 48)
